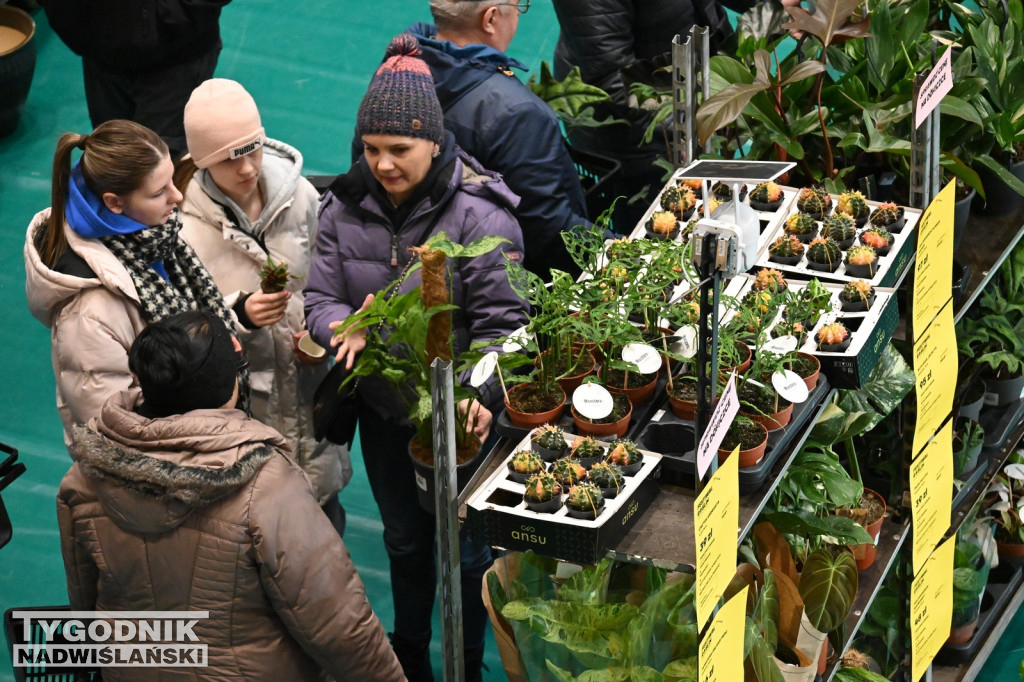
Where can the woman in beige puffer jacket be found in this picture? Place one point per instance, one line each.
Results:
(200, 511)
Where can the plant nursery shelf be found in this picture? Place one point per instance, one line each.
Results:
(970, 670)
(869, 583)
(983, 250)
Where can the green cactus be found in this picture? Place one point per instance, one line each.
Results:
(853, 204)
(839, 227)
(800, 223)
(886, 214)
(876, 237)
(584, 497)
(766, 193)
(861, 255)
(586, 447)
(813, 200)
(551, 437)
(824, 251)
(527, 462)
(568, 471)
(605, 475)
(857, 290)
(624, 453)
(787, 246)
(542, 488)
(670, 199)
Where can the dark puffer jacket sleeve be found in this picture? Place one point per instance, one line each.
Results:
(311, 581)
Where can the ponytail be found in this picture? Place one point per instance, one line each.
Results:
(54, 241)
(183, 172)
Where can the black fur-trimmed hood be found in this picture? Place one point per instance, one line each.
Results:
(150, 474)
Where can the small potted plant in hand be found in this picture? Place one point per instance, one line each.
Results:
(626, 455)
(857, 296)
(878, 238)
(607, 477)
(549, 442)
(888, 215)
(802, 226)
(662, 225)
(854, 205)
(814, 201)
(833, 338)
(584, 501)
(274, 276)
(824, 254)
(587, 451)
(840, 228)
(523, 465)
(543, 493)
(568, 471)
(767, 196)
(786, 249)
(861, 261)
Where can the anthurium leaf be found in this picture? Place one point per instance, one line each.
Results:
(791, 608)
(725, 107)
(801, 71)
(954, 106)
(889, 382)
(568, 96)
(773, 551)
(766, 611)
(828, 585)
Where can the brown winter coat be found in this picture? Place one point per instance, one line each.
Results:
(202, 512)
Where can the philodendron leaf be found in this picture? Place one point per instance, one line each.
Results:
(829, 425)
(569, 96)
(858, 675)
(725, 107)
(830, 23)
(838, 529)
(889, 382)
(828, 584)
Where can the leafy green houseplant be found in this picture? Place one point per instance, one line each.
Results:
(405, 332)
(1003, 506)
(972, 559)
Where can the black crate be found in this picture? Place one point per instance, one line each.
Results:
(599, 177)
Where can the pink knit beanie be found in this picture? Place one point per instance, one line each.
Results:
(221, 122)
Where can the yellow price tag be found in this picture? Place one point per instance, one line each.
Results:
(935, 366)
(720, 656)
(933, 270)
(931, 494)
(931, 608)
(716, 514)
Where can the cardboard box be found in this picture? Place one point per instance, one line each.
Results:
(870, 331)
(496, 512)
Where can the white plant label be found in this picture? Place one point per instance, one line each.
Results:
(645, 357)
(517, 341)
(790, 386)
(483, 369)
(687, 343)
(781, 345)
(719, 423)
(593, 401)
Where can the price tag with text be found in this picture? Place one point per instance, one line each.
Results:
(935, 364)
(931, 608)
(931, 494)
(727, 409)
(716, 515)
(720, 656)
(933, 269)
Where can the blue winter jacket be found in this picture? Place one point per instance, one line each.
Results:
(508, 129)
(356, 240)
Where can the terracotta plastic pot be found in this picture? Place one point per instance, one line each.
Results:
(571, 383)
(865, 553)
(749, 457)
(636, 395)
(684, 409)
(529, 420)
(962, 634)
(812, 380)
(1014, 550)
(772, 422)
(589, 428)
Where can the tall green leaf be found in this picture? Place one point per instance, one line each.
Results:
(828, 585)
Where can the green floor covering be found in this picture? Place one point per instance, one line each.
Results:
(307, 65)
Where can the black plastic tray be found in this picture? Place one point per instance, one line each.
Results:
(1003, 581)
(677, 465)
(999, 421)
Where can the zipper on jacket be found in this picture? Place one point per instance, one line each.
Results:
(394, 250)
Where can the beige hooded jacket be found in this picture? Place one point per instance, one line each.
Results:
(202, 512)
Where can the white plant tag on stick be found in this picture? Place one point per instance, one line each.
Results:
(517, 341)
(645, 357)
(593, 401)
(790, 386)
(781, 345)
(483, 369)
(686, 346)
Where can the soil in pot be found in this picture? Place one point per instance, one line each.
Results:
(528, 406)
(582, 365)
(869, 513)
(809, 369)
(751, 437)
(765, 407)
(682, 398)
(637, 387)
(467, 460)
(615, 424)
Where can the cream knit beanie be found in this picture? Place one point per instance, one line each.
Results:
(221, 122)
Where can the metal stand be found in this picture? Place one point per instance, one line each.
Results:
(691, 68)
(447, 520)
(705, 249)
(925, 173)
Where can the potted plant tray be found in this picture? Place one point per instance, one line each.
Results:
(673, 437)
(870, 330)
(770, 220)
(888, 268)
(496, 510)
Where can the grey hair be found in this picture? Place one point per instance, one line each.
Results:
(458, 14)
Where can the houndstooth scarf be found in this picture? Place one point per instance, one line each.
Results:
(188, 287)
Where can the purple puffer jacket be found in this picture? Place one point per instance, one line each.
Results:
(355, 244)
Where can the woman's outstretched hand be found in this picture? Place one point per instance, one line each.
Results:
(351, 342)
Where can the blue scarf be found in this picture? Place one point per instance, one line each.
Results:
(89, 217)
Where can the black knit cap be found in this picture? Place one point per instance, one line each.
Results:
(200, 373)
(401, 99)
